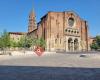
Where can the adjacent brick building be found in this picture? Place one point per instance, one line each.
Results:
(16, 36)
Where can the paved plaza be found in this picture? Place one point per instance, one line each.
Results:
(50, 66)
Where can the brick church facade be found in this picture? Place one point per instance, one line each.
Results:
(64, 31)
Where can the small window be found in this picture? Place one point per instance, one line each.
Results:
(74, 31)
(60, 40)
(77, 32)
(68, 30)
(71, 31)
(71, 22)
(55, 41)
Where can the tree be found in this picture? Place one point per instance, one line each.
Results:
(1, 43)
(5, 41)
(96, 45)
(21, 42)
(13, 44)
(98, 41)
(40, 42)
(28, 42)
(25, 42)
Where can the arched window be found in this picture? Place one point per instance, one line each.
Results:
(70, 44)
(71, 22)
(55, 41)
(60, 40)
(76, 45)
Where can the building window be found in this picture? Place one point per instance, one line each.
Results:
(60, 40)
(77, 32)
(68, 30)
(55, 41)
(71, 22)
(74, 31)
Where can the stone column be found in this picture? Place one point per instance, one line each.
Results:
(48, 45)
(72, 45)
(79, 44)
(66, 43)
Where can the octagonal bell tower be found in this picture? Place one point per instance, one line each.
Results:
(32, 22)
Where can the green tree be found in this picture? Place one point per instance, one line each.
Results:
(25, 42)
(1, 43)
(21, 42)
(5, 41)
(40, 42)
(96, 45)
(13, 44)
(98, 41)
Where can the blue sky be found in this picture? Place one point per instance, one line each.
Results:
(14, 13)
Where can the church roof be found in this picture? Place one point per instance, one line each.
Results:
(17, 33)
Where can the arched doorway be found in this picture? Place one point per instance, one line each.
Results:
(76, 45)
(70, 44)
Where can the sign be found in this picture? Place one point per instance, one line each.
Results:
(39, 51)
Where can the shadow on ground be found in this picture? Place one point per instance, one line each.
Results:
(48, 73)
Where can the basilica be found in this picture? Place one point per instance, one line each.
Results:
(64, 31)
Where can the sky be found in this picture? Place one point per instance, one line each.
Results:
(14, 13)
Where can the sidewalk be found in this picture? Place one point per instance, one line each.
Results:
(21, 53)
